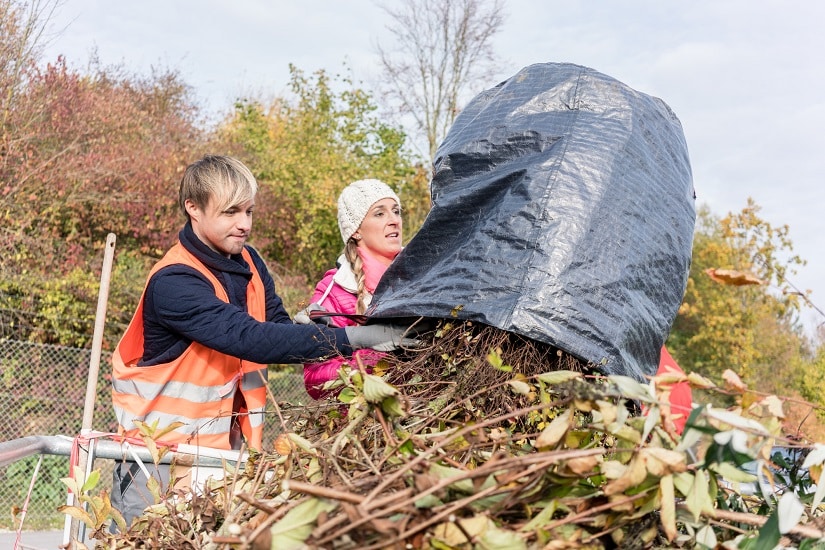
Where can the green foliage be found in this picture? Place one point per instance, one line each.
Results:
(750, 328)
(303, 153)
(95, 510)
(48, 493)
(812, 378)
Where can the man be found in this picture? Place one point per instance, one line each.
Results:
(206, 326)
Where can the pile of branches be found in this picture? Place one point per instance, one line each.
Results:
(483, 439)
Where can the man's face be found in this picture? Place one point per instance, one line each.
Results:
(224, 231)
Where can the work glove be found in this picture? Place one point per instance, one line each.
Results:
(303, 316)
(381, 337)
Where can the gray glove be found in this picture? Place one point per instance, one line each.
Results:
(303, 318)
(381, 337)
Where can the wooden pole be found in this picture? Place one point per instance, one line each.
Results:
(94, 370)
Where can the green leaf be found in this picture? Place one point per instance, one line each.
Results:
(91, 483)
(698, 498)
(428, 501)
(376, 389)
(301, 442)
(294, 528)
(393, 406)
(501, 539)
(769, 534)
(735, 420)
(346, 395)
(651, 420)
(154, 488)
(706, 537)
(559, 376)
(541, 518)
(495, 360)
(731, 473)
(683, 481)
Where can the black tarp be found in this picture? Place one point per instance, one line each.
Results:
(562, 211)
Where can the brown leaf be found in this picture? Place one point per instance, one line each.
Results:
(283, 445)
(667, 513)
(733, 277)
(661, 462)
(733, 382)
(583, 465)
(553, 433)
(633, 475)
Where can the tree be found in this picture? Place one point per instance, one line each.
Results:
(739, 312)
(304, 150)
(81, 155)
(440, 51)
(21, 29)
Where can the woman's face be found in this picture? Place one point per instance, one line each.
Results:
(380, 231)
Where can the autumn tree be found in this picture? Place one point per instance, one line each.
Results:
(21, 29)
(82, 154)
(304, 149)
(440, 52)
(812, 385)
(739, 311)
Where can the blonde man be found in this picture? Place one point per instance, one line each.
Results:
(206, 326)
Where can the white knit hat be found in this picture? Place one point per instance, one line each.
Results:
(356, 200)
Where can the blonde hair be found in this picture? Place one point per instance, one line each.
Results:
(223, 178)
(357, 266)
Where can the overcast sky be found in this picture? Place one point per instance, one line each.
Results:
(746, 78)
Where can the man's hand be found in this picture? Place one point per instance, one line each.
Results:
(381, 337)
(303, 316)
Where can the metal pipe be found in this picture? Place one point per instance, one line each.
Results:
(17, 449)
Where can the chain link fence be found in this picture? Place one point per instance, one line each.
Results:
(43, 393)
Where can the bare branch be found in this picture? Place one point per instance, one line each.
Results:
(441, 51)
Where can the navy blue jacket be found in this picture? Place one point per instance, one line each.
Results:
(180, 306)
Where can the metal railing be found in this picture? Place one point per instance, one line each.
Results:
(24, 447)
(40, 392)
(185, 455)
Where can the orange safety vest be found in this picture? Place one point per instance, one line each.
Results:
(197, 388)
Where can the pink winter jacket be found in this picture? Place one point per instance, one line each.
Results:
(341, 298)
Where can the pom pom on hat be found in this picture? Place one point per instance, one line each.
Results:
(356, 200)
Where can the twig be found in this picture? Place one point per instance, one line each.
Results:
(322, 492)
(389, 480)
(256, 503)
(759, 521)
(536, 462)
(339, 441)
(455, 506)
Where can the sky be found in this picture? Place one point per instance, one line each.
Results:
(744, 77)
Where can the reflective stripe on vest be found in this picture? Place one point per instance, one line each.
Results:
(198, 387)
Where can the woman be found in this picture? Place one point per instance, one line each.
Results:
(369, 217)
